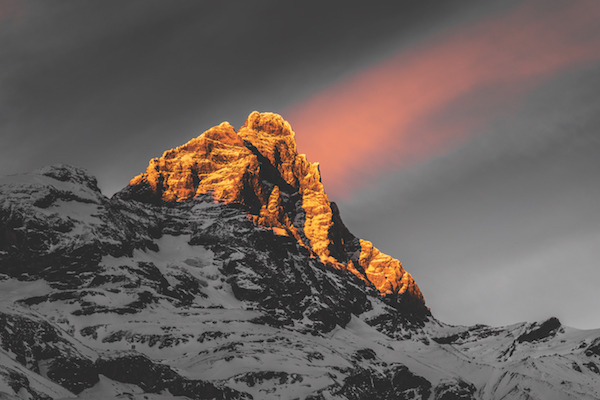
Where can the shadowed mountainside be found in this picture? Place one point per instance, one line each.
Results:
(224, 272)
(259, 167)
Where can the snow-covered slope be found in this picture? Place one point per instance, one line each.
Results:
(125, 298)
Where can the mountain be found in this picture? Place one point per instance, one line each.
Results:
(224, 272)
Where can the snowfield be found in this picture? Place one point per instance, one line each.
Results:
(114, 299)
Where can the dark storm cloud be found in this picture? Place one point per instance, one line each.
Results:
(106, 85)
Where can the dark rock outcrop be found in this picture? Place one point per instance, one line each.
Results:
(545, 330)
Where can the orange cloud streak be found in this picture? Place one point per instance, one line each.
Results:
(426, 100)
(11, 9)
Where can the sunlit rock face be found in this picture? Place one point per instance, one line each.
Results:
(215, 162)
(224, 272)
(259, 166)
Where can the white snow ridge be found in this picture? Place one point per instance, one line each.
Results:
(120, 299)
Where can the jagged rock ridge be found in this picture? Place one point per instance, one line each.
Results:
(259, 166)
(140, 297)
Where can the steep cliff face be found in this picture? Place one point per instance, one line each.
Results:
(259, 166)
(161, 292)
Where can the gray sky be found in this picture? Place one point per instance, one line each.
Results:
(506, 227)
(464, 135)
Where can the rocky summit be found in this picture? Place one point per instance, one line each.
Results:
(259, 167)
(224, 272)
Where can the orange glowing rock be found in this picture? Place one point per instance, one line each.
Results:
(259, 166)
(216, 161)
(274, 139)
(385, 272)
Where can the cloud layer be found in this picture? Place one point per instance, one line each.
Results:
(441, 91)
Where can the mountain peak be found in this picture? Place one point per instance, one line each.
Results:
(240, 281)
(268, 123)
(259, 167)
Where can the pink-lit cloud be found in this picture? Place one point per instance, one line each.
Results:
(10, 9)
(429, 98)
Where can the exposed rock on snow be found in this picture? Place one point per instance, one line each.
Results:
(224, 272)
(259, 167)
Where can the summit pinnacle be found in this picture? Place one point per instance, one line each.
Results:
(259, 166)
